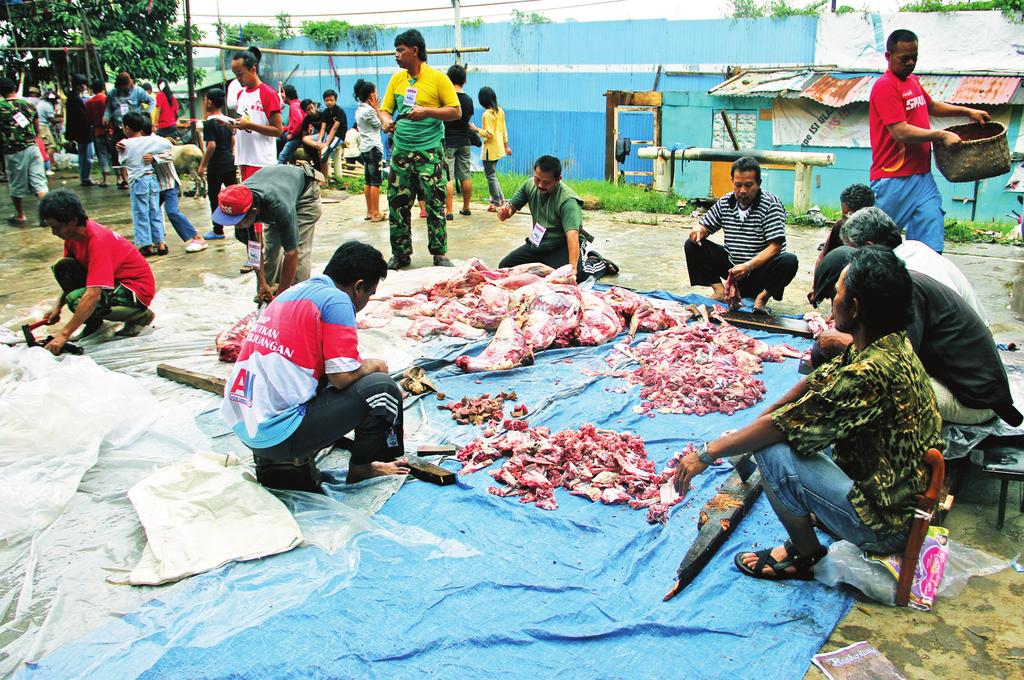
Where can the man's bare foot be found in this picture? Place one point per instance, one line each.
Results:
(359, 473)
(761, 301)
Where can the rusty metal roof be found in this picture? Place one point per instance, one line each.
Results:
(836, 92)
(837, 89)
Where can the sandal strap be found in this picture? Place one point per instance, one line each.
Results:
(800, 561)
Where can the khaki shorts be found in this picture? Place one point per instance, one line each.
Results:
(26, 175)
(458, 162)
(46, 134)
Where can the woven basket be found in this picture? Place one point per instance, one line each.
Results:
(983, 153)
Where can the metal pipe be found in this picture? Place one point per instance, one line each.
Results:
(703, 154)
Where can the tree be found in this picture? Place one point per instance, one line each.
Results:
(130, 34)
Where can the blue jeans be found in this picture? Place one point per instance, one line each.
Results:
(149, 223)
(914, 204)
(806, 484)
(493, 185)
(288, 151)
(169, 199)
(84, 161)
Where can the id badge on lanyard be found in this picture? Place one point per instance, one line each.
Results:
(537, 235)
(410, 96)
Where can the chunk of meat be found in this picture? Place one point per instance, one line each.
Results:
(229, 342)
(507, 349)
(424, 327)
(599, 322)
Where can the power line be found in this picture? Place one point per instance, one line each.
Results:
(371, 12)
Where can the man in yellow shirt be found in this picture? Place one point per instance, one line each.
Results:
(417, 102)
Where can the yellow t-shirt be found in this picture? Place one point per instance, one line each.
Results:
(433, 89)
(494, 134)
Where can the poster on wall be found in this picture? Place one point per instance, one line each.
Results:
(805, 122)
(744, 127)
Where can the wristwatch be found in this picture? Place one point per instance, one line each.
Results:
(703, 456)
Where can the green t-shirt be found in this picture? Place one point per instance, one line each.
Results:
(433, 90)
(558, 212)
(17, 125)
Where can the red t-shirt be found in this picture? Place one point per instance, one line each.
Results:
(168, 115)
(109, 260)
(94, 112)
(898, 101)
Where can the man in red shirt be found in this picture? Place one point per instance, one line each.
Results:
(901, 137)
(102, 276)
(94, 109)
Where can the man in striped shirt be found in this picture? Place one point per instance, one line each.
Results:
(754, 254)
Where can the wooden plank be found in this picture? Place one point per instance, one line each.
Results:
(716, 522)
(766, 322)
(200, 381)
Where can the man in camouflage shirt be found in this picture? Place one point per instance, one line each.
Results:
(19, 126)
(873, 405)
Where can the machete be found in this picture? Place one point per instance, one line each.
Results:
(717, 519)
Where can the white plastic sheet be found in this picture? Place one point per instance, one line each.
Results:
(203, 514)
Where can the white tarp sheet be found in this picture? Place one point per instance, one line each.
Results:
(202, 514)
(958, 42)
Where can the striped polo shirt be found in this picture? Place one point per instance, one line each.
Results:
(747, 236)
(305, 333)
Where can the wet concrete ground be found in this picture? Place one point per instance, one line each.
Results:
(978, 634)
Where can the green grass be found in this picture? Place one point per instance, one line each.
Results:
(616, 198)
(964, 231)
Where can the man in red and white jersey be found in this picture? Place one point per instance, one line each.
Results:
(299, 384)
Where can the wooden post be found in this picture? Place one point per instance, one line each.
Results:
(191, 74)
(458, 31)
(801, 188)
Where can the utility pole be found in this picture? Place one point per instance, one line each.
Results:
(191, 74)
(85, 39)
(458, 30)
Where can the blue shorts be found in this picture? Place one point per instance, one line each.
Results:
(914, 204)
(806, 484)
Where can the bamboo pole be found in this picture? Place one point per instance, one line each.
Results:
(318, 53)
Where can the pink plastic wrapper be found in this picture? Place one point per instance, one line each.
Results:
(930, 566)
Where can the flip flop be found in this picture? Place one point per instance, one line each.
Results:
(15, 222)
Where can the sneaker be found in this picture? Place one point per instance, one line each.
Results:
(133, 328)
(50, 173)
(212, 236)
(442, 261)
(399, 262)
(449, 217)
(195, 245)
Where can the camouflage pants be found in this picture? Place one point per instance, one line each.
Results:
(417, 172)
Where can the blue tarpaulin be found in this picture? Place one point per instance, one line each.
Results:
(574, 592)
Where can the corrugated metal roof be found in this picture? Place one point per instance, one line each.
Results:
(970, 89)
(763, 83)
(837, 90)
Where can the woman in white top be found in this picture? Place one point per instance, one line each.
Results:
(371, 147)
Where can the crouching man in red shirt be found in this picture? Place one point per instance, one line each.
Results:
(102, 276)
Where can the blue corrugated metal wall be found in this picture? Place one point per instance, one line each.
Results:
(548, 109)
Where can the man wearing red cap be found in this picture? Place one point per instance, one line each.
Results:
(286, 199)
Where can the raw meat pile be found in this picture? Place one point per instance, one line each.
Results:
(602, 465)
(702, 368)
(229, 342)
(545, 306)
(818, 324)
(554, 312)
(477, 410)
